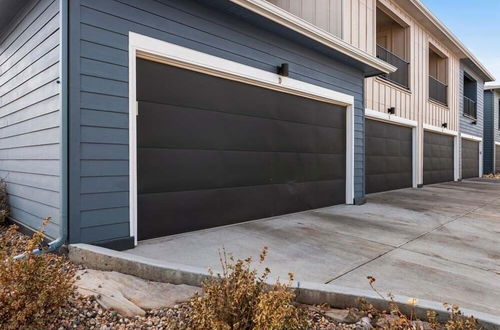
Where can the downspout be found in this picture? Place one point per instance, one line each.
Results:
(63, 82)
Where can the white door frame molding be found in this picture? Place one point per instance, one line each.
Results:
(141, 46)
(396, 120)
(480, 140)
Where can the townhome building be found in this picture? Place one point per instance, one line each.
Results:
(491, 129)
(126, 120)
(415, 116)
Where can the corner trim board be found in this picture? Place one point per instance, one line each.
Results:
(161, 51)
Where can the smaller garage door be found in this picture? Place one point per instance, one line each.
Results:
(470, 159)
(497, 159)
(388, 156)
(438, 158)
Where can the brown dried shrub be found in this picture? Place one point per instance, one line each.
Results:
(33, 289)
(4, 206)
(239, 298)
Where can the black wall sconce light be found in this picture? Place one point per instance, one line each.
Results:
(444, 125)
(474, 122)
(391, 110)
(283, 70)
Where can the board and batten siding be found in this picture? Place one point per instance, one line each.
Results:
(351, 20)
(29, 114)
(99, 181)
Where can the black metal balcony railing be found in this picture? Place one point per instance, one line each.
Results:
(438, 91)
(470, 107)
(400, 77)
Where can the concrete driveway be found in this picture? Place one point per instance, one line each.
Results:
(441, 243)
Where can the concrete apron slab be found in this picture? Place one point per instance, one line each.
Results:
(308, 293)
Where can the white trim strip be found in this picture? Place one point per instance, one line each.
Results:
(377, 115)
(497, 143)
(440, 130)
(283, 17)
(471, 137)
(164, 52)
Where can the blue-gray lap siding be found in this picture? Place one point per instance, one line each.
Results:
(30, 116)
(99, 181)
(466, 125)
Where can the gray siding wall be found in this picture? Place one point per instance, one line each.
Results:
(496, 115)
(99, 182)
(488, 150)
(29, 114)
(465, 123)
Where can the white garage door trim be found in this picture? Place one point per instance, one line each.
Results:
(396, 120)
(168, 53)
(480, 140)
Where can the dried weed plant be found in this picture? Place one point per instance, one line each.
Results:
(34, 288)
(240, 299)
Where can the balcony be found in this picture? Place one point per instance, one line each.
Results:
(399, 77)
(438, 91)
(470, 109)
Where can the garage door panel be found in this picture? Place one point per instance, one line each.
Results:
(438, 158)
(250, 100)
(470, 159)
(187, 169)
(215, 155)
(389, 156)
(185, 127)
(497, 159)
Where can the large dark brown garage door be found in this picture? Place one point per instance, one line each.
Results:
(497, 159)
(438, 158)
(388, 156)
(212, 152)
(470, 159)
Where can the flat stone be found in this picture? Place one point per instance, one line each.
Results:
(130, 295)
(343, 315)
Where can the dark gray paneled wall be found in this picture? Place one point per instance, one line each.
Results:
(99, 179)
(489, 145)
(29, 114)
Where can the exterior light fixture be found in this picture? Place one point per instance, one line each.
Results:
(391, 110)
(283, 70)
(474, 122)
(444, 125)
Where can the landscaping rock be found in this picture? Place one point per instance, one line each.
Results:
(130, 295)
(343, 315)
(364, 324)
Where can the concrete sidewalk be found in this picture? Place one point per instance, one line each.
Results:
(439, 243)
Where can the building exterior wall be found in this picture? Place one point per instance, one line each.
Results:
(466, 125)
(99, 181)
(30, 116)
(326, 14)
(489, 144)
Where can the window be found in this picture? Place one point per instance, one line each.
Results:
(393, 45)
(438, 76)
(470, 97)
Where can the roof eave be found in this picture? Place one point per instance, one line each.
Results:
(446, 36)
(283, 17)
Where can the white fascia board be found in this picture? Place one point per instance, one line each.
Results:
(440, 130)
(381, 116)
(497, 143)
(285, 18)
(471, 137)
